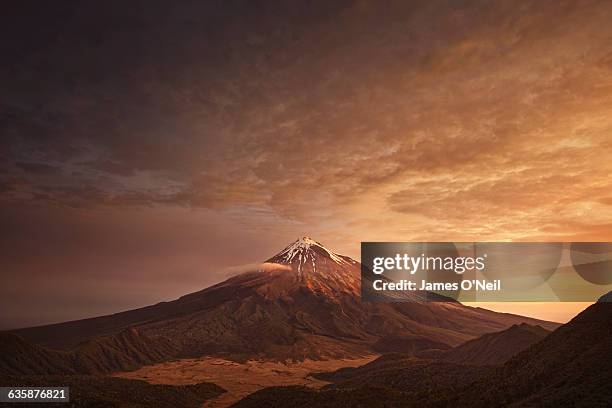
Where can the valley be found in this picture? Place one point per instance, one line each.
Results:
(240, 379)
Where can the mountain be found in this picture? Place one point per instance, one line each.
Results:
(126, 350)
(487, 350)
(495, 348)
(569, 367)
(395, 369)
(409, 344)
(306, 305)
(21, 357)
(605, 298)
(404, 373)
(389, 381)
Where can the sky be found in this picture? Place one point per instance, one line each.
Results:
(148, 146)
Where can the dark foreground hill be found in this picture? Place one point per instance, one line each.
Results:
(419, 378)
(109, 392)
(571, 367)
(487, 350)
(495, 348)
(449, 371)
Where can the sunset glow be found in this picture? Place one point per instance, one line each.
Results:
(211, 148)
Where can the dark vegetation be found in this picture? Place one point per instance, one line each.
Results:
(125, 351)
(109, 392)
(571, 367)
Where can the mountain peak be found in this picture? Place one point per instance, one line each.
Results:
(319, 268)
(305, 242)
(306, 249)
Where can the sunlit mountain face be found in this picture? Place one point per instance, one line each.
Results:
(146, 147)
(304, 305)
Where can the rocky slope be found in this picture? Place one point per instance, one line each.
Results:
(570, 367)
(495, 348)
(307, 305)
(126, 350)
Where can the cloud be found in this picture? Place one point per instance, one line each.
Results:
(478, 117)
(253, 267)
(148, 148)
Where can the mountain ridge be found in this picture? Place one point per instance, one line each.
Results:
(496, 348)
(570, 367)
(307, 308)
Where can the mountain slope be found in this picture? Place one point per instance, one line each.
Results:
(570, 367)
(126, 350)
(396, 368)
(307, 307)
(404, 373)
(495, 348)
(20, 357)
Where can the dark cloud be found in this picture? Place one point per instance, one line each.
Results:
(37, 168)
(269, 104)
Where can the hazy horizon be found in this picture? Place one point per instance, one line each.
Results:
(560, 312)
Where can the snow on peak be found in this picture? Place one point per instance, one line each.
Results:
(302, 250)
(306, 240)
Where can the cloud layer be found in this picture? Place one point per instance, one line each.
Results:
(352, 121)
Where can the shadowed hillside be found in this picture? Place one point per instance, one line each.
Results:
(127, 350)
(570, 367)
(409, 374)
(495, 348)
